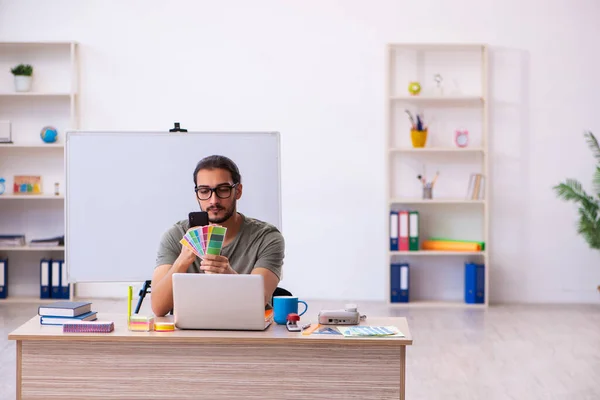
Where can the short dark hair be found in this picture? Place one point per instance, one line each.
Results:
(220, 162)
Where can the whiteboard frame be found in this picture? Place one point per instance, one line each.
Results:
(72, 133)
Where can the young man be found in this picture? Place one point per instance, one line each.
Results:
(250, 246)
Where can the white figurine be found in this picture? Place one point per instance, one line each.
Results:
(439, 89)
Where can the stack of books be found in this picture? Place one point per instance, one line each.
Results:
(65, 312)
(49, 242)
(12, 240)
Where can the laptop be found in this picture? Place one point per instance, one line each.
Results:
(220, 302)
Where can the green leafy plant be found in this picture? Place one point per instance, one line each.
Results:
(22, 69)
(589, 205)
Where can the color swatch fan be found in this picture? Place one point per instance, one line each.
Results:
(205, 240)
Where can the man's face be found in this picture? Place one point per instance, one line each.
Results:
(219, 209)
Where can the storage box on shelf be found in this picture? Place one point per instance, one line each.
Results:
(33, 117)
(437, 161)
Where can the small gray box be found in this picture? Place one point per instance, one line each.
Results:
(5, 133)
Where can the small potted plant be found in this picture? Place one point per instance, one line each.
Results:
(22, 73)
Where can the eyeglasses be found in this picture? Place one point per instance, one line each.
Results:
(222, 192)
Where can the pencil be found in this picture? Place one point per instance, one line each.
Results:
(434, 178)
(412, 120)
(310, 329)
(129, 297)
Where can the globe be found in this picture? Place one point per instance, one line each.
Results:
(49, 134)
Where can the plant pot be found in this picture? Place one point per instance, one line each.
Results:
(418, 138)
(22, 83)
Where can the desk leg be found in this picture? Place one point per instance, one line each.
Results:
(19, 369)
(402, 372)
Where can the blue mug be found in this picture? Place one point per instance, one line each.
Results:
(284, 305)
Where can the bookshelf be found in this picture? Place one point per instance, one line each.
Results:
(52, 101)
(437, 277)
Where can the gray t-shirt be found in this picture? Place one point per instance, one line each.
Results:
(257, 244)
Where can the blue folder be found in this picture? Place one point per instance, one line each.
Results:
(45, 278)
(3, 278)
(64, 281)
(400, 283)
(474, 283)
(55, 280)
(394, 230)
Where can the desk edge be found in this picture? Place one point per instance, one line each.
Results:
(300, 340)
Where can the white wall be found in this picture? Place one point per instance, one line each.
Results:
(314, 70)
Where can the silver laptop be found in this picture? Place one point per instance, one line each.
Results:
(216, 301)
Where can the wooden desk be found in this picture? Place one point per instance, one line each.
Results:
(274, 364)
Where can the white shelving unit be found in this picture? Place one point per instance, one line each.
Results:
(52, 101)
(437, 277)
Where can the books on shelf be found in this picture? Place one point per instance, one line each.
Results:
(443, 239)
(405, 236)
(476, 190)
(452, 245)
(50, 242)
(12, 240)
(20, 240)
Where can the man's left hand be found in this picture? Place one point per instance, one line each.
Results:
(214, 264)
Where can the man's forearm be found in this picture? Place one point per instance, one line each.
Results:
(162, 291)
(270, 282)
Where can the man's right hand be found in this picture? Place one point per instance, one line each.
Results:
(186, 257)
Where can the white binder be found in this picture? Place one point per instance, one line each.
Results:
(55, 279)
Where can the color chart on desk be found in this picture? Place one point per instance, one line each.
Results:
(205, 240)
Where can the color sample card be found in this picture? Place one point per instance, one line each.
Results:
(195, 239)
(208, 234)
(188, 242)
(215, 240)
(185, 241)
(205, 240)
(370, 331)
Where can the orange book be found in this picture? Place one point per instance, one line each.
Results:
(450, 246)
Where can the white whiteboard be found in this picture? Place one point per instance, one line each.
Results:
(125, 189)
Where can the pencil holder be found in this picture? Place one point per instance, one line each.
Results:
(428, 192)
(418, 138)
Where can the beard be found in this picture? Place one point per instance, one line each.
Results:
(228, 213)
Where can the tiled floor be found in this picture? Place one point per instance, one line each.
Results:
(505, 352)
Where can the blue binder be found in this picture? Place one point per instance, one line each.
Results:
(45, 278)
(393, 230)
(3, 278)
(64, 281)
(399, 283)
(404, 283)
(395, 283)
(474, 283)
